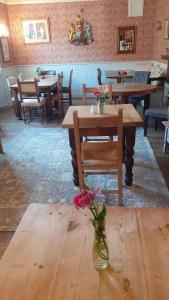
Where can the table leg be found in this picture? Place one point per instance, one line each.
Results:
(17, 105)
(130, 133)
(1, 148)
(48, 105)
(74, 158)
(124, 100)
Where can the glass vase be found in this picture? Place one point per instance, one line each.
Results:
(100, 247)
(100, 107)
(123, 82)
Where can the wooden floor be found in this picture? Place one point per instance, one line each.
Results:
(12, 127)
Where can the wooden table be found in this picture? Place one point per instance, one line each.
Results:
(115, 75)
(131, 119)
(132, 89)
(50, 256)
(45, 86)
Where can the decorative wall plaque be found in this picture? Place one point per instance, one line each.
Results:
(80, 33)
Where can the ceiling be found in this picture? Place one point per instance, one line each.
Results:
(40, 1)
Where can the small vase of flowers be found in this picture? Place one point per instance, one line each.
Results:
(101, 96)
(95, 202)
(122, 75)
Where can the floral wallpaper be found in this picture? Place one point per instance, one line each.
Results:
(104, 16)
(4, 20)
(160, 44)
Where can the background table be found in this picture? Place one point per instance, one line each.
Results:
(115, 75)
(50, 256)
(45, 86)
(132, 89)
(131, 119)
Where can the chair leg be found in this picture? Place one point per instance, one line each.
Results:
(156, 124)
(24, 117)
(70, 97)
(145, 125)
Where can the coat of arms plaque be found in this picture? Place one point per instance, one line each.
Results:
(80, 33)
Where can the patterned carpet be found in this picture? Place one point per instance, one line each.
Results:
(37, 167)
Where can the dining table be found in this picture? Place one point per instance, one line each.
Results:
(131, 120)
(45, 86)
(50, 255)
(117, 75)
(133, 89)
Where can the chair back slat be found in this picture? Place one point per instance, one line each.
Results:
(70, 78)
(101, 146)
(99, 122)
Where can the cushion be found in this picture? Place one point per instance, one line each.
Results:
(160, 113)
(33, 102)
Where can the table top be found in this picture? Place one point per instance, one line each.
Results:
(130, 116)
(43, 83)
(50, 256)
(114, 74)
(132, 89)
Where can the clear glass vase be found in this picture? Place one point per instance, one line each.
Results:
(100, 107)
(100, 247)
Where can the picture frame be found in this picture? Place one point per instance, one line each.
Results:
(6, 56)
(36, 31)
(126, 39)
(166, 29)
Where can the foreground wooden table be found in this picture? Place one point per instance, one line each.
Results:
(50, 256)
(131, 120)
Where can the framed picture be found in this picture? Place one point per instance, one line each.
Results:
(166, 29)
(36, 31)
(126, 40)
(5, 49)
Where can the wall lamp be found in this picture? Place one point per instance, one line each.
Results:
(3, 30)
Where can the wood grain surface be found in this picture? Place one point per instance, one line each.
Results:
(50, 256)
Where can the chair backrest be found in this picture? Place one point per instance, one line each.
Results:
(48, 74)
(92, 90)
(59, 85)
(99, 76)
(141, 77)
(97, 123)
(70, 78)
(28, 89)
(11, 80)
(21, 76)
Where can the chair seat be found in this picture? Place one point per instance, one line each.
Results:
(156, 112)
(33, 102)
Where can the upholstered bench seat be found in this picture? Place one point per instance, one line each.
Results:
(160, 113)
(156, 112)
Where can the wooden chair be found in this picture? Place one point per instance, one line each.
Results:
(11, 80)
(99, 76)
(68, 89)
(92, 90)
(99, 157)
(57, 96)
(29, 94)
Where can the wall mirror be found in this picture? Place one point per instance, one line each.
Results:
(126, 40)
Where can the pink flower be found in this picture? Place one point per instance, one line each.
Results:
(83, 199)
(97, 94)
